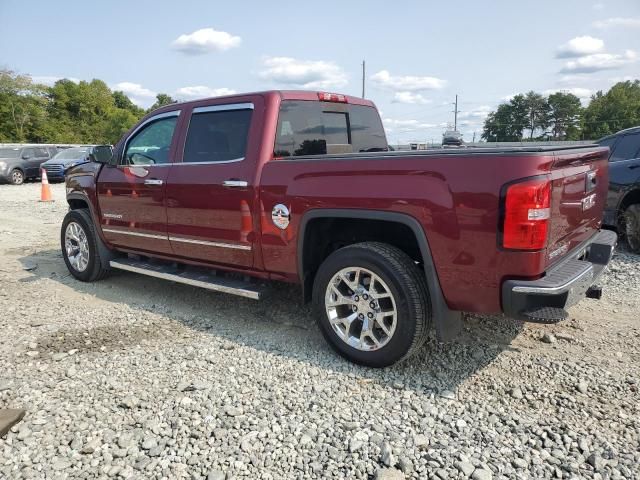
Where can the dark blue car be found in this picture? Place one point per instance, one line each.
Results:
(58, 166)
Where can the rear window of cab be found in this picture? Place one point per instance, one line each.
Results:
(319, 128)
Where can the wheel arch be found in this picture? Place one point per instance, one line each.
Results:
(448, 322)
(629, 198)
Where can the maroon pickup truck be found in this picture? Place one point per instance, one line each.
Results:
(229, 192)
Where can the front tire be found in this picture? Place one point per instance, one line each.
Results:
(631, 226)
(16, 177)
(371, 303)
(80, 249)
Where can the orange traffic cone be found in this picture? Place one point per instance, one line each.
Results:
(246, 223)
(45, 192)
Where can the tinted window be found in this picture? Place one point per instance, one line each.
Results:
(103, 153)
(217, 136)
(317, 128)
(151, 144)
(72, 154)
(41, 152)
(9, 152)
(28, 153)
(626, 148)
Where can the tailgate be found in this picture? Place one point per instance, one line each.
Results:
(580, 179)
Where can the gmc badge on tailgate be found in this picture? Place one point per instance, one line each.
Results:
(588, 202)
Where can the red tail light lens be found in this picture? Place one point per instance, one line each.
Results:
(527, 210)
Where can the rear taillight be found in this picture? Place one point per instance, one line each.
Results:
(527, 208)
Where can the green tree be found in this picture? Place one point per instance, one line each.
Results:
(22, 107)
(537, 109)
(615, 110)
(162, 99)
(565, 113)
(507, 123)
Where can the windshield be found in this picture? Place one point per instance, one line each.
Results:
(72, 154)
(9, 152)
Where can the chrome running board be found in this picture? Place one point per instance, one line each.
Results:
(189, 277)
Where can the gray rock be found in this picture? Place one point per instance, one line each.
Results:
(465, 467)
(516, 393)
(155, 451)
(481, 474)
(519, 463)
(389, 474)
(548, 338)
(149, 443)
(60, 464)
(216, 475)
(448, 394)
(582, 387)
(420, 441)
(406, 465)
(386, 455)
(129, 402)
(232, 411)
(596, 461)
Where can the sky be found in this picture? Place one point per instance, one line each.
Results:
(419, 54)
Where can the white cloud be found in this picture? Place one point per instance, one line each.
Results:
(50, 79)
(303, 73)
(618, 22)
(599, 61)
(407, 83)
(580, 46)
(205, 40)
(134, 90)
(507, 98)
(409, 97)
(405, 125)
(479, 113)
(598, 6)
(581, 93)
(143, 97)
(201, 91)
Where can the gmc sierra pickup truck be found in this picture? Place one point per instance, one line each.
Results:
(227, 193)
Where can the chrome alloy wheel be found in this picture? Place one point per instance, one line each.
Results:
(77, 246)
(361, 308)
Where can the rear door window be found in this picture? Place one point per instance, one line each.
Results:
(627, 147)
(217, 135)
(320, 128)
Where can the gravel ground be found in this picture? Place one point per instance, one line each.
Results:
(133, 377)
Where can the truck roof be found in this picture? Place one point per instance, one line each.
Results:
(283, 94)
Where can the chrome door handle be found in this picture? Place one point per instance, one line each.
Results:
(235, 183)
(153, 181)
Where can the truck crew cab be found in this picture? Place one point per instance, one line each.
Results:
(300, 187)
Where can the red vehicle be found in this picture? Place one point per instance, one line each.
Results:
(229, 192)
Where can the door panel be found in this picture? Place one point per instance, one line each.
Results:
(131, 196)
(210, 195)
(132, 209)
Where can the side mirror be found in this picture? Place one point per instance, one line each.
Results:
(26, 156)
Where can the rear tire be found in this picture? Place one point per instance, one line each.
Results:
(371, 303)
(630, 227)
(82, 250)
(16, 177)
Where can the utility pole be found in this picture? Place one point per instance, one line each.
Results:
(474, 137)
(455, 114)
(362, 78)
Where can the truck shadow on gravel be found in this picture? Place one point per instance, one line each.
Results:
(157, 311)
